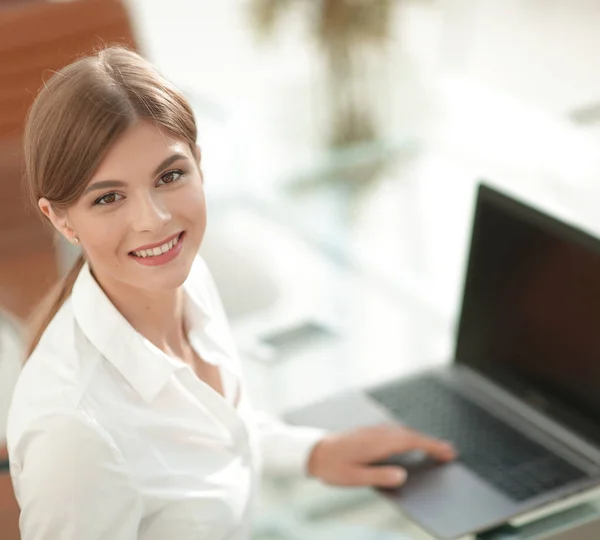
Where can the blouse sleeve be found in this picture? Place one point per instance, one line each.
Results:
(72, 483)
(285, 449)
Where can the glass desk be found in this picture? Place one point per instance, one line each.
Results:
(305, 509)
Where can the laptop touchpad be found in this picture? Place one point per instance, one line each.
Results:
(413, 461)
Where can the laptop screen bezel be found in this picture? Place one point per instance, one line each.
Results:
(550, 405)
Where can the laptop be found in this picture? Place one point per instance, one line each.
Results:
(521, 399)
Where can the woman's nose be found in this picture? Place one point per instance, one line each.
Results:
(149, 214)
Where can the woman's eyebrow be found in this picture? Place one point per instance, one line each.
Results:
(168, 161)
(106, 184)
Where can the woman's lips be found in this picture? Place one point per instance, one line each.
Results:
(163, 258)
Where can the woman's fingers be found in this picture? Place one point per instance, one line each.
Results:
(346, 459)
(397, 439)
(437, 449)
(382, 477)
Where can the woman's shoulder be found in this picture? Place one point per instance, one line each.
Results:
(60, 358)
(54, 377)
(68, 439)
(61, 427)
(44, 393)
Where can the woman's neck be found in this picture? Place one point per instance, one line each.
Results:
(159, 317)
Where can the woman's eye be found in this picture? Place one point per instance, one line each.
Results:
(170, 177)
(109, 198)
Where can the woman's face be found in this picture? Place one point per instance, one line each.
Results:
(145, 198)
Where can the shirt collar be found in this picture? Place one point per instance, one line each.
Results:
(141, 363)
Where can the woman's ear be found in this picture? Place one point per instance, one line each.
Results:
(58, 219)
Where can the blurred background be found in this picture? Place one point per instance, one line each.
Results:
(343, 141)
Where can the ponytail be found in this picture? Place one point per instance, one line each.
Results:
(49, 306)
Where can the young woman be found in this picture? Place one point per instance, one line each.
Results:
(130, 418)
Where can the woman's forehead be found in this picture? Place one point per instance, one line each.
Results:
(139, 150)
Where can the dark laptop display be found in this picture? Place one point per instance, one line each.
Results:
(531, 300)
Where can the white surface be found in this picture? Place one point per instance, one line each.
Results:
(540, 51)
(376, 335)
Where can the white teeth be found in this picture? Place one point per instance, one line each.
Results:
(157, 250)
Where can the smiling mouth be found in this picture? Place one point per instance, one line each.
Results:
(159, 250)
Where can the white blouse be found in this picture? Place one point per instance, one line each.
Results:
(109, 438)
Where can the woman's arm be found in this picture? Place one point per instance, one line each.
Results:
(72, 483)
(285, 449)
(351, 458)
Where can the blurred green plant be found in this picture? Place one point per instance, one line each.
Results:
(344, 31)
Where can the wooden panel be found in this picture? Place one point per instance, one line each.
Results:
(25, 279)
(11, 168)
(28, 264)
(9, 509)
(21, 228)
(43, 21)
(50, 36)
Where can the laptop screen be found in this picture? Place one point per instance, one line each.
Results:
(530, 317)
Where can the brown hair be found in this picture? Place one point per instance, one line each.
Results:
(76, 117)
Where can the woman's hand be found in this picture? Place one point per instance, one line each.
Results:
(346, 459)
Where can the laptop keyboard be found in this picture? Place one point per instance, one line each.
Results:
(514, 464)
